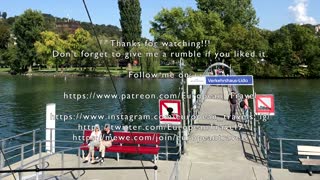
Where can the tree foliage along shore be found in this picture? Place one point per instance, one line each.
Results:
(29, 40)
(291, 51)
(130, 14)
(230, 26)
(27, 29)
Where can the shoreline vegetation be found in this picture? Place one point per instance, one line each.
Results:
(166, 72)
(224, 32)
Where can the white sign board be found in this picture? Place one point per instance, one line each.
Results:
(50, 124)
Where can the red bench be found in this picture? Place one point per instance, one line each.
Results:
(129, 142)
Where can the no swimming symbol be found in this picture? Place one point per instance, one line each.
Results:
(264, 104)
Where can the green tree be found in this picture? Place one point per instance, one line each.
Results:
(4, 15)
(27, 29)
(78, 42)
(10, 57)
(150, 58)
(239, 39)
(4, 35)
(314, 67)
(168, 26)
(49, 22)
(49, 43)
(177, 25)
(293, 46)
(231, 11)
(109, 49)
(130, 20)
(281, 50)
(103, 30)
(313, 60)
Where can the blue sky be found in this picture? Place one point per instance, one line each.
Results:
(272, 13)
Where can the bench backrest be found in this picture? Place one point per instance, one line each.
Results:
(86, 135)
(309, 150)
(131, 137)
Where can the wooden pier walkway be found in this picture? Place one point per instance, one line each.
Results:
(220, 148)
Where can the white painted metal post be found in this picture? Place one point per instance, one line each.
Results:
(254, 110)
(50, 127)
(194, 100)
(155, 174)
(177, 171)
(180, 139)
(34, 142)
(62, 162)
(200, 92)
(2, 161)
(259, 135)
(281, 155)
(78, 172)
(22, 159)
(265, 145)
(166, 141)
(184, 114)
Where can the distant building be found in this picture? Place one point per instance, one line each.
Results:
(317, 28)
(303, 66)
(67, 26)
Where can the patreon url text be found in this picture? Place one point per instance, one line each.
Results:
(102, 96)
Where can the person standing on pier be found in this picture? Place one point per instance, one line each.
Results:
(233, 104)
(94, 138)
(246, 108)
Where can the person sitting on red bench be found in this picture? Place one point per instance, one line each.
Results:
(95, 139)
(106, 141)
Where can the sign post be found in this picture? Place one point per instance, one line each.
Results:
(240, 80)
(170, 112)
(263, 105)
(50, 127)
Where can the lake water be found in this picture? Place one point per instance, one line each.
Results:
(23, 103)
(297, 103)
(23, 100)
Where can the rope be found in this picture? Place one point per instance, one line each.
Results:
(113, 84)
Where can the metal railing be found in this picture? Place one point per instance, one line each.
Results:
(175, 172)
(18, 151)
(281, 147)
(37, 146)
(11, 150)
(39, 163)
(42, 164)
(260, 136)
(287, 149)
(270, 177)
